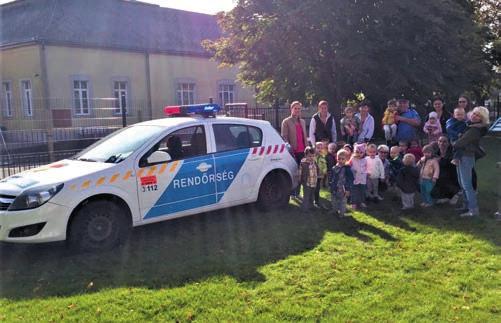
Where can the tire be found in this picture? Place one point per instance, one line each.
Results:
(274, 192)
(98, 225)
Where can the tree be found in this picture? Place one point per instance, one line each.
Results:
(312, 49)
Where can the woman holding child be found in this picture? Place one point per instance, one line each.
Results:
(447, 186)
(468, 144)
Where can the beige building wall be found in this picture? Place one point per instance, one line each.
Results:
(167, 71)
(17, 64)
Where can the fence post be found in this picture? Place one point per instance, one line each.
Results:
(277, 115)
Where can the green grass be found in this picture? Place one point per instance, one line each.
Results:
(244, 265)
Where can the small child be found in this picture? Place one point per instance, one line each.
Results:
(350, 125)
(331, 159)
(395, 164)
(403, 146)
(408, 181)
(322, 170)
(428, 175)
(455, 128)
(389, 123)
(340, 183)
(308, 175)
(325, 152)
(383, 152)
(375, 173)
(432, 127)
(359, 168)
(415, 149)
(349, 149)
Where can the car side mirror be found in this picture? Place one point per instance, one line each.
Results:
(158, 157)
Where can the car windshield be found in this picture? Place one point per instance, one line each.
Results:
(119, 145)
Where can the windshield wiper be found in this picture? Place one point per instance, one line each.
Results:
(87, 160)
(115, 159)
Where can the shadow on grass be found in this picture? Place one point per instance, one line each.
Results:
(235, 241)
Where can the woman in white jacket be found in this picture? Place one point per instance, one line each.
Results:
(366, 122)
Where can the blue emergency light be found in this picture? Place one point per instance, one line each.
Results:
(204, 109)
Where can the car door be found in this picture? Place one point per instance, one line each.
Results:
(237, 169)
(184, 183)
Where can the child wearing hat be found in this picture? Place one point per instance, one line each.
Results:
(432, 127)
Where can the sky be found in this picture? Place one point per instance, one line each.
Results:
(203, 6)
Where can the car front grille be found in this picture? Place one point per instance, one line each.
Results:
(6, 201)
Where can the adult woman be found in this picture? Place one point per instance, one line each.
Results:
(468, 145)
(366, 122)
(464, 102)
(447, 186)
(443, 115)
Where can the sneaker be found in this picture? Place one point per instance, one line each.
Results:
(442, 201)
(454, 200)
(363, 205)
(467, 214)
(379, 198)
(426, 205)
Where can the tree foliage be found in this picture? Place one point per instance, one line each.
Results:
(312, 49)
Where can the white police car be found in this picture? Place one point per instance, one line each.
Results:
(148, 172)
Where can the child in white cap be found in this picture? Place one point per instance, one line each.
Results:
(432, 127)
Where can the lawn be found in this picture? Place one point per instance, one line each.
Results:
(244, 265)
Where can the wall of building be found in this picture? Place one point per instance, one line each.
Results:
(16, 64)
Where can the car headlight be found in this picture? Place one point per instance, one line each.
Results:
(35, 197)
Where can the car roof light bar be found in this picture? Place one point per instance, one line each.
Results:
(204, 109)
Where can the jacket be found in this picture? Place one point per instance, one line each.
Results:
(408, 179)
(469, 143)
(288, 131)
(341, 179)
(429, 168)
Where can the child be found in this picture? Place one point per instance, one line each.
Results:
(395, 164)
(322, 171)
(455, 128)
(359, 169)
(415, 149)
(389, 123)
(428, 175)
(331, 159)
(349, 126)
(308, 173)
(349, 149)
(403, 145)
(325, 152)
(375, 173)
(340, 183)
(383, 152)
(432, 127)
(408, 181)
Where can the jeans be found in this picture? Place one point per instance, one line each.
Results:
(426, 186)
(407, 200)
(358, 194)
(338, 201)
(465, 169)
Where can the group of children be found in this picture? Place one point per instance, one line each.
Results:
(356, 174)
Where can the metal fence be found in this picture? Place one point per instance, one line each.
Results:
(57, 133)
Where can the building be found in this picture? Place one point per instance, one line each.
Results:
(73, 63)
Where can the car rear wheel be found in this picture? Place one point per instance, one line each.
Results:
(98, 225)
(274, 191)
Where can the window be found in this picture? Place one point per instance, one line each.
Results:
(120, 93)
(7, 98)
(26, 98)
(233, 136)
(81, 96)
(185, 93)
(181, 144)
(226, 93)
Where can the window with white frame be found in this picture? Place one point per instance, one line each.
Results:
(120, 94)
(7, 98)
(226, 93)
(26, 98)
(81, 96)
(185, 93)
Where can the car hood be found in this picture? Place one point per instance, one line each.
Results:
(59, 172)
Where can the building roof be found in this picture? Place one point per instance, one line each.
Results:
(115, 24)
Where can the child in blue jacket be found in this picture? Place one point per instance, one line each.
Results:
(341, 181)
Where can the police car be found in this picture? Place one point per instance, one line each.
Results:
(148, 172)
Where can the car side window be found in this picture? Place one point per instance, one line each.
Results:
(181, 144)
(235, 136)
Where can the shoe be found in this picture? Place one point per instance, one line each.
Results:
(454, 200)
(363, 205)
(406, 208)
(467, 214)
(316, 206)
(422, 204)
(379, 198)
(426, 205)
(442, 201)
